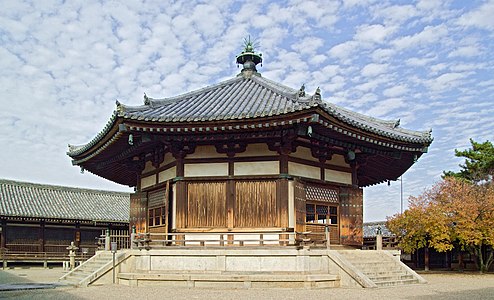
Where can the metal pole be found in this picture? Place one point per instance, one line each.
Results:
(401, 194)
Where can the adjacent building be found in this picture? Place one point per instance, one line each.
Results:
(47, 218)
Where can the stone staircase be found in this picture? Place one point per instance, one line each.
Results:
(90, 270)
(379, 268)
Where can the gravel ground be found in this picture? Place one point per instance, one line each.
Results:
(441, 286)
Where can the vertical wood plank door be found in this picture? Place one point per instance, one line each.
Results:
(300, 202)
(351, 216)
(206, 202)
(256, 205)
(138, 212)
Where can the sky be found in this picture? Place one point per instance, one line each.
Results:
(63, 64)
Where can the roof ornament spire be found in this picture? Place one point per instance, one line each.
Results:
(249, 58)
(301, 92)
(146, 99)
(317, 94)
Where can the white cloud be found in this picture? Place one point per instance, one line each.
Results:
(384, 107)
(446, 81)
(481, 17)
(396, 14)
(375, 33)
(344, 50)
(63, 64)
(396, 91)
(466, 51)
(430, 34)
(372, 70)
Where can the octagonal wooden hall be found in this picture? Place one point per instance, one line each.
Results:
(248, 155)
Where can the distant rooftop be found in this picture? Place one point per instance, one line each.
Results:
(23, 199)
(370, 229)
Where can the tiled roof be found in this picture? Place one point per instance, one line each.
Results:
(247, 97)
(22, 199)
(370, 229)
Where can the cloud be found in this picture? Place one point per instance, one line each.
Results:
(375, 33)
(384, 107)
(64, 63)
(430, 34)
(480, 17)
(466, 51)
(372, 70)
(344, 50)
(396, 91)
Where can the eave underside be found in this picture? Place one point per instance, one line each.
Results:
(377, 159)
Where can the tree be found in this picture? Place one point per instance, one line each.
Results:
(454, 212)
(423, 224)
(479, 163)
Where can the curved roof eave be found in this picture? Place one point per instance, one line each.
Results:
(75, 150)
(282, 100)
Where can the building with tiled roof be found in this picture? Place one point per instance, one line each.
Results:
(39, 217)
(246, 154)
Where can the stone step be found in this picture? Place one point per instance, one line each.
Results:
(71, 282)
(396, 282)
(371, 264)
(378, 270)
(394, 272)
(390, 277)
(78, 276)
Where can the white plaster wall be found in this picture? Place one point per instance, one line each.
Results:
(167, 159)
(209, 169)
(337, 176)
(304, 153)
(297, 169)
(338, 160)
(167, 174)
(148, 167)
(148, 181)
(208, 151)
(257, 168)
(256, 150)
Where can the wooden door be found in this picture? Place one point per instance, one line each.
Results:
(351, 213)
(138, 212)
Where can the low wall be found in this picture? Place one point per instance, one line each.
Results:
(229, 260)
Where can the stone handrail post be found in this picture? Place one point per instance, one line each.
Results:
(107, 240)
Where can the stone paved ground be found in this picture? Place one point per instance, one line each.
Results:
(441, 286)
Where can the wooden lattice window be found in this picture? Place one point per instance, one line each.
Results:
(321, 194)
(157, 208)
(321, 214)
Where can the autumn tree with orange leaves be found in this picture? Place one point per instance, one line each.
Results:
(456, 212)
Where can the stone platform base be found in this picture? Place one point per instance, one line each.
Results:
(248, 267)
(230, 280)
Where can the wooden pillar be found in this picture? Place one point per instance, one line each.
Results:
(3, 238)
(354, 167)
(230, 193)
(41, 236)
(460, 261)
(181, 187)
(426, 258)
(77, 238)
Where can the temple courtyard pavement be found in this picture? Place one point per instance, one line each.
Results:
(444, 285)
